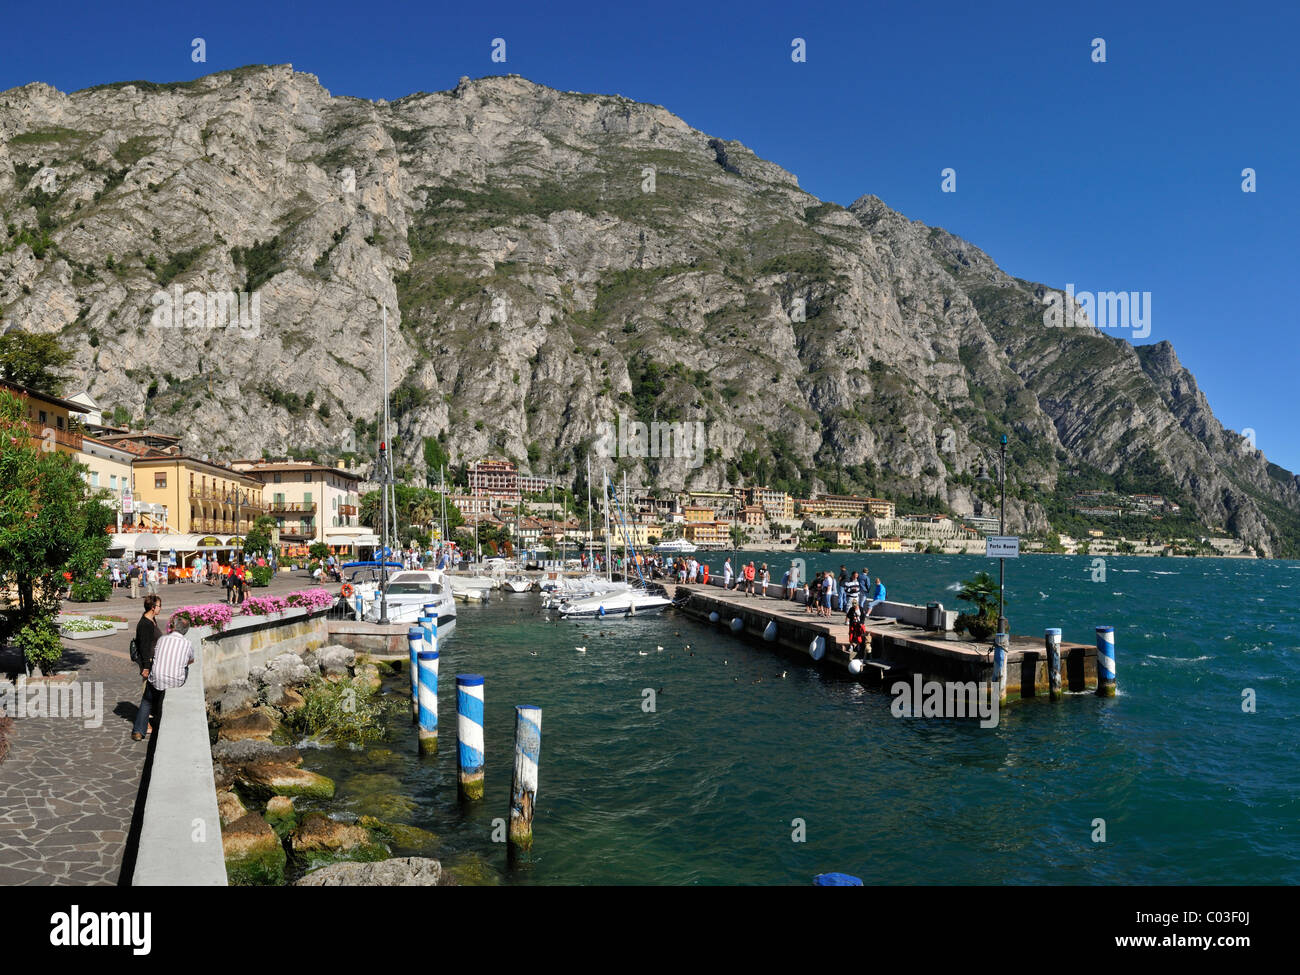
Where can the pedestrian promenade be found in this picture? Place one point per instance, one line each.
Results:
(68, 791)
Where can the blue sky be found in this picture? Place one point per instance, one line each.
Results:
(1117, 176)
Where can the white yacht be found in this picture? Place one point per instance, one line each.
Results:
(471, 589)
(677, 546)
(409, 592)
(627, 602)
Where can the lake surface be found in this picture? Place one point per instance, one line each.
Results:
(737, 761)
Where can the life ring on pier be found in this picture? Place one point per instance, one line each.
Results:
(347, 590)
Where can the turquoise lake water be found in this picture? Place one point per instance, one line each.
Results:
(708, 787)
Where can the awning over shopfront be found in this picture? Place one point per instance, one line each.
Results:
(368, 539)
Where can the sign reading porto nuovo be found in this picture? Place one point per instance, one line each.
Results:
(1002, 547)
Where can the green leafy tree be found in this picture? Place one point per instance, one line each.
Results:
(260, 537)
(33, 360)
(318, 551)
(49, 523)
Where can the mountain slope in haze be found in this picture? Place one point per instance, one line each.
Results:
(551, 260)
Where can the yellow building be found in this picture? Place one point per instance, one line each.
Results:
(751, 515)
(697, 514)
(203, 498)
(839, 537)
(776, 504)
(49, 418)
(707, 532)
(887, 544)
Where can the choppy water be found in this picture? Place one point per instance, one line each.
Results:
(707, 788)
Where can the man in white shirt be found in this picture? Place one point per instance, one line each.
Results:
(168, 667)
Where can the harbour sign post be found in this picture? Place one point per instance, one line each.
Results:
(1002, 547)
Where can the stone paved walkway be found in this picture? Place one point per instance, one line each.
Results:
(68, 792)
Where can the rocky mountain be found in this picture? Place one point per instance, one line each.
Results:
(550, 261)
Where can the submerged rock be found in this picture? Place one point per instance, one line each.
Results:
(254, 856)
(278, 779)
(401, 835)
(319, 839)
(400, 872)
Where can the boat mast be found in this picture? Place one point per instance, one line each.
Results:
(385, 467)
(589, 507)
(609, 572)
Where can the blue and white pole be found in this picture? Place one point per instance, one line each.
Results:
(469, 729)
(415, 642)
(523, 790)
(1052, 638)
(1000, 665)
(357, 598)
(1105, 661)
(428, 702)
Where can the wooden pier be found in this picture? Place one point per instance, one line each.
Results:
(896, 649)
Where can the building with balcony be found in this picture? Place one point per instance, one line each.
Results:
(752, 516)
(708, 533)
(777, 505)
(50, 419)
(698, 514)
(310, 502)
(108, 469)
(202, 497)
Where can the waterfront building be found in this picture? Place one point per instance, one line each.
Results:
(775, 504)
(311, 502)
(202, 497)
(50, 419)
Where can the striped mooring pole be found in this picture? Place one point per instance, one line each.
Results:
(429, 627)
(1000, 665)
(1052, 638)
(1105, 661)
(415, 641)
(523, 790)
(428, 702)
(359, 604)
(469, 729)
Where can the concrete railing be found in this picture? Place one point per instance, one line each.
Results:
(247, 643)
(180, 833)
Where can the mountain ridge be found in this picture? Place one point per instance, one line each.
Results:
(536, 288)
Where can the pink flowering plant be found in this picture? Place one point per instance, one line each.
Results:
(215, 615)
(311, 598)
(263, 605)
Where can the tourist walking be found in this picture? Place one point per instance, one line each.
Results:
(169, 662)
(828, 588)
(864, 592)
(840, 590)
(785, 583)
(726, 575)
(133, 577)
(749, 579)
(764, 577)
(117, 577)
(147, 635)
(857, 632)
